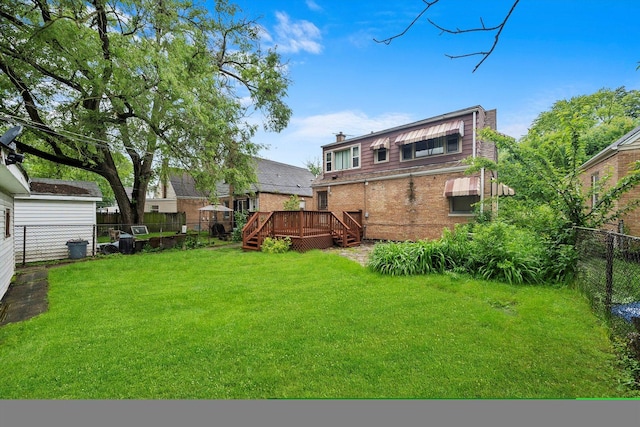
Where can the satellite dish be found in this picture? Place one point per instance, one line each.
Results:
(10, 135)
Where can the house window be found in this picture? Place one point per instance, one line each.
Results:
(7, 223)
(380, 155)
(594, 189)
(253, 204)
(155, 208)
(323, 200)
(348, 158)
(462, 205)
(431, 147)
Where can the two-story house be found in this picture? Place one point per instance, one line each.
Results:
(409, 181)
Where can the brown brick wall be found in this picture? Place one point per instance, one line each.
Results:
(190, 208)
(408, 208)
(269, 202)
(632, 219)
(617, 166)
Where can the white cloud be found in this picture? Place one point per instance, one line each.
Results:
(295, 36)
(312, 5)
(305, 136)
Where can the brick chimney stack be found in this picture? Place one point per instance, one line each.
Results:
(340, 137)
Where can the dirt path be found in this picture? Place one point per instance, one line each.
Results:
(358, 254)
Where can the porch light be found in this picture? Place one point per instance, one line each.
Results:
(302, 204)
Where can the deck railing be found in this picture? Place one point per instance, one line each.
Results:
(298, 224)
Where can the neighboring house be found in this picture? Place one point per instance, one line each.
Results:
(613, 163)
(13, 183)
(276, 183)
(55, 212)
(409, 181)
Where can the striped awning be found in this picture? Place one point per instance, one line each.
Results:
(501, 190)
(380, 143)
(458, 187)
(443, 129)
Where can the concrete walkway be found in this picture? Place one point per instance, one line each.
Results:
(26, 297)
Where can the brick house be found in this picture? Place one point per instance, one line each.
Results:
(613, 163)
(276, 183)
(409, 182)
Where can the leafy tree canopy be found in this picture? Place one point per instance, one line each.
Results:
(544, 168)
(103, 86)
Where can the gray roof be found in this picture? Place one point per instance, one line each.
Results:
(422, 122)
(275, 177)
(185, 186)
(272, 177)
(60, 187)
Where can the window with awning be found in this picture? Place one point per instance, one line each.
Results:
(432, 132)
(380, 143)
(461, 187)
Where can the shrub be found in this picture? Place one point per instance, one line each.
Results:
(275, 245)
(240, 221)
(505, 252)
(493, 250)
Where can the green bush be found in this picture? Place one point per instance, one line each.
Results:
(240, 221)
(276, 245)
(505, 252)
(493, 250)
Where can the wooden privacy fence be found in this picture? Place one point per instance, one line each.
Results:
(153, 220)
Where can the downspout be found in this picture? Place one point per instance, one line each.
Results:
(475, 154)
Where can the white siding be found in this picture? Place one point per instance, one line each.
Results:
(49, 225)
(7, 266)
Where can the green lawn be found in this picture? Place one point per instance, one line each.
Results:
(227, 324)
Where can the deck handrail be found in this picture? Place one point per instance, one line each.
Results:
(299, 224)
(354, 227)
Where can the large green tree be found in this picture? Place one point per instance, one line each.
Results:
(162, 82)
(544, 167)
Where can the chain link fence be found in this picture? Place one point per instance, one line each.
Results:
(609, 274)
(34, 243)
(38, 243)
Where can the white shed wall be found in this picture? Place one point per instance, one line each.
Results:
(49, 225)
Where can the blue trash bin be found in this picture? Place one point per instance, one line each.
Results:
(77, 248)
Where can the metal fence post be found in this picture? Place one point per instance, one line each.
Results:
(24, 245)
(609, 274)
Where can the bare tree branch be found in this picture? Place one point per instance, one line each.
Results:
(485, 54)
(387, 41)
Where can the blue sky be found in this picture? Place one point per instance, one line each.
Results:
(343, 81)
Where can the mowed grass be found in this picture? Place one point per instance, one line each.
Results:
(227, 324)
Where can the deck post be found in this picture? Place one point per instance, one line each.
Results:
(301, 223)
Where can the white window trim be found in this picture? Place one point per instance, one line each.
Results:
(329, 157)
(375, 156)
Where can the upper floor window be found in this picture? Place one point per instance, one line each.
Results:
(381, 155)
(348, 158)
(431, 147)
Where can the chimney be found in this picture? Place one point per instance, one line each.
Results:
(340, 137)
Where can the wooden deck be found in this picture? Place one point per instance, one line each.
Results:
(307, 229)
